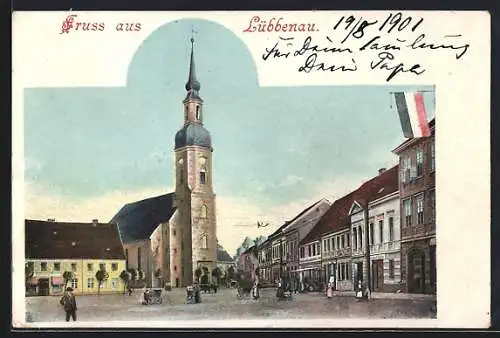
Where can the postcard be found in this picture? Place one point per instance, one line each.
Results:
(313, 169)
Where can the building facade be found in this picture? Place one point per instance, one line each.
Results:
(374, 237)
(77, 249)
(248, 263)
(265, 260)
(418, 213)
(385, 242)
(310, 264)
(336, 258)
(297, 229)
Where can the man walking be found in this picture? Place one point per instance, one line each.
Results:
(68, 301)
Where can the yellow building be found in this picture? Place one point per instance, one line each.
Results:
(82, 249)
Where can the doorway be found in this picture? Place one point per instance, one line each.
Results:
(416, 271)
(43, 287)
(358, 275)
(377, 274)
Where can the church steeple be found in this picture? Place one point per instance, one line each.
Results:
(192, 84)
(193, 133)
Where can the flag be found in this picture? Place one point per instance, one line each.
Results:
(412, 114)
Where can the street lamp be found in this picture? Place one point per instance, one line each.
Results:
(335, 274)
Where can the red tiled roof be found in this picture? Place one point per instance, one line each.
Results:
(287, 223)
(58, 240)
(337, 217)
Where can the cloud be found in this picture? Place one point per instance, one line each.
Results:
(31, 163)
(39, 204)
(291, 180)
(236, 216)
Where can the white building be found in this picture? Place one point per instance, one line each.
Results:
(374, 219)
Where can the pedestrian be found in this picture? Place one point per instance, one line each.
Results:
(329, 291)
(129, 291)
(68, 301)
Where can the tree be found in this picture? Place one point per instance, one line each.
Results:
(133, 274)
(197, 274)
(68, 276)
(259, 240)
(28, 272)
(247, 243)
(216, 273)
(101, 276)
(230, 273)
(125, 276)
(140, 274)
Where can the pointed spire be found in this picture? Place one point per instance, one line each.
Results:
(192, 83)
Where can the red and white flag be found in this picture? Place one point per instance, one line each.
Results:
(412, 114)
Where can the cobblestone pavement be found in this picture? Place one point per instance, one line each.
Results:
(225, 305)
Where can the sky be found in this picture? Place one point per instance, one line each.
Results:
(90, 150)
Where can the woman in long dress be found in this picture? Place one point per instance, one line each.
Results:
(329, 291)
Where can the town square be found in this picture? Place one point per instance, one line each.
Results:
(225, 305)
(294, 245)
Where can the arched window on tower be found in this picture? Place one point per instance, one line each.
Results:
(204, 241)
(204, 211)
(203, 176)
(181, 171)
(198, 112)
(186, 109)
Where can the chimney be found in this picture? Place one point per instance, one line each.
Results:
(51, 220)
(381, 170)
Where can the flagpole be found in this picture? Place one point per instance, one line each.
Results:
(420, 91)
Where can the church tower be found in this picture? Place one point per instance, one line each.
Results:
(193, 234)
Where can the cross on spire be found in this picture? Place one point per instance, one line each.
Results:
(193, 32)
(192, 84)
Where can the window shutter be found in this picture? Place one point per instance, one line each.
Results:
(402, 176)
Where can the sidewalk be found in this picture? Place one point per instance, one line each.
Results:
(387, 295)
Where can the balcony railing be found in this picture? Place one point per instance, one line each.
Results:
(418, 230)
(384, 247)
(337, 253)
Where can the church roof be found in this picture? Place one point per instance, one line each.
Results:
(137, 220)
(193, 134)
(222, 255)
(62, 240)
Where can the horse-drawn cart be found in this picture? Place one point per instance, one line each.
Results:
(152, 296)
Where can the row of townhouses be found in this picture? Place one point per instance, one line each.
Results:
(383, 233)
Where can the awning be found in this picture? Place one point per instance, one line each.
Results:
(58, 281)
(32, 281)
